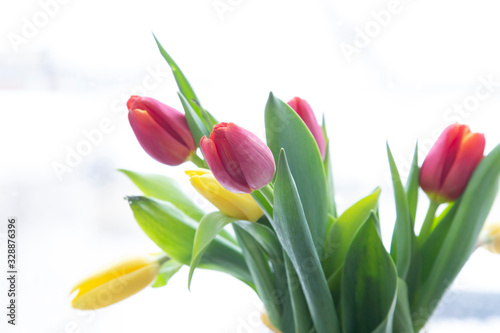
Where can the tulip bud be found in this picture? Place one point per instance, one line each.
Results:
(490, 238)
(236, 205)
(117, 282)
(306, 113)
(162, 131)
(239, 160)
(451, 162)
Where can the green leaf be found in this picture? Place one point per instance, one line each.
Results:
(261, 274)
(196, 125)
(369, 284)
(301, 316)
(424, 256)
(186, 88)
(401, 246)
(402, 314)
(332, 206)
(287, 319)
(208, 229)
(265, 237)
(285, 129)
(283, 294)
(166, 189)
(460, 240)
(174, 232)
(167, 270)
(290, 225)
(412, 186)
(432, 246)
(344, 229)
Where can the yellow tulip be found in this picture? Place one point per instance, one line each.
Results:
(490, 239)
(117, 282)
(236, 205)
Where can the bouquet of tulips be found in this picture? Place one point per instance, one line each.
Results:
(314, 269)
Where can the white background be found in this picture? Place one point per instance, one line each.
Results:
(79, 66)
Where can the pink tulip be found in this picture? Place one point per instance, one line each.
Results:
(162, 131)
(239, 160)
(307, 115)
(451, 162)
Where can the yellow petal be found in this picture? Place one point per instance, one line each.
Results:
(115, 283)
(197, 172)
(492, 238)
(236, 205)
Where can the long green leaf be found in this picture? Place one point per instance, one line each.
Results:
(301, 316)
(290, 225)
(261, 274)
(208, 229)
(332, 205)
(433, 245)
(195, 123)
(186, 88)
(401, 246)
(412, 186)
(285, 129)
(369, 284)
(344, 229)
(402, 315)
(461, 237)
(174, 232)
(167, 270)
(424, 256)
(166, 189)
(282, 290)
(265, 237)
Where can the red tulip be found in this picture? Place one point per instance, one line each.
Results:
(239, 160)
(162, 131)
(306, 113)
(452, 160)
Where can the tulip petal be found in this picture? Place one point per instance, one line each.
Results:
(467, 159)
(227, 153)
(440, 158)
(115, 289)
(170, 119)
(213, 160)
(254, 156)
(306, 113)
(115, 283)
(236, 205)
(156, 141)
(161, 130)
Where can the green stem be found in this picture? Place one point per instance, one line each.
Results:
(199, 162)
(428, 222)
(265, 199)
(268, 192)
(162, 258)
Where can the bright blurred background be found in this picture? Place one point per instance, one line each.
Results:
(68, 67)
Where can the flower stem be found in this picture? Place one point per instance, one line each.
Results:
(199, 162)
(428, 222)
(162, 258)
(265, 199)
(268, 192)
